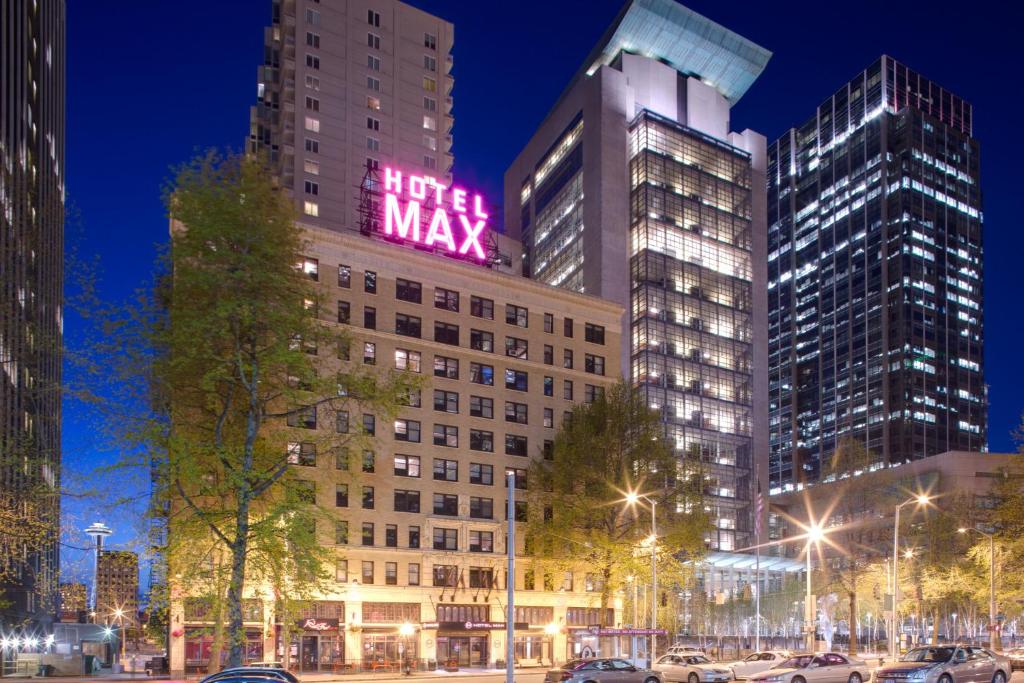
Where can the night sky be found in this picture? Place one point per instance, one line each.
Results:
(150, 83)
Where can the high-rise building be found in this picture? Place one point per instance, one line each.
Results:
(73, 601)
(117, 587)
(875, 277)
(634, 189)
(32, 113)
(349, 83)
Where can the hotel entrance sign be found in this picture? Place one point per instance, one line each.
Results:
(422, 210)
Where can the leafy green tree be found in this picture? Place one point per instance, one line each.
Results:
(607, 448)
(240, 375)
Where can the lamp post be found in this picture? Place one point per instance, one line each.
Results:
(633, 498)
(119, 615)
(993, 628)
(814, 535)
(919, 500)
(406, 630)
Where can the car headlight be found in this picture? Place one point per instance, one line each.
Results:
(773, 679)
(918, 674)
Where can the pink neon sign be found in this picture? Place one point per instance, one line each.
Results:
(405, 214)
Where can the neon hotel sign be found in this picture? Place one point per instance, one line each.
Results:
(456, 226)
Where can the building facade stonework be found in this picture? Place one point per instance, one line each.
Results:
(421, 528)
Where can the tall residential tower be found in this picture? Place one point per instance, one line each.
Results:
(347, 84)
(875, 277)
(634, 189)
(31, 289)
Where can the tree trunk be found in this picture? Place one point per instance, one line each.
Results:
(236, 586)
(935, 626)
(853, 623)
(218, 624)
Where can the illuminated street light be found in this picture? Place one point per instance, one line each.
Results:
(632, 499)
(920, 500)
(814, 534)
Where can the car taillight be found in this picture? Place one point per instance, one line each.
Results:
(566, 675)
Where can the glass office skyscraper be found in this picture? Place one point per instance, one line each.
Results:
(875, 277)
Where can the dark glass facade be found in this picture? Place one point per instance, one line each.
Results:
(32, 115)
(875, 278)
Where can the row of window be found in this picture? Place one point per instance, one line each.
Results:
(409, 501)
(443, 574)
(443, 538)
(450, 576)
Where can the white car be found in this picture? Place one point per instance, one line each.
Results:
(691, 668)
(687, 650)
(822, 667)
(758, 662)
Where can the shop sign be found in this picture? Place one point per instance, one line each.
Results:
(599, 631)
(318, 624)
(455, 221)
(479, 625)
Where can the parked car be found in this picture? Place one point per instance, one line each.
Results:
(758, 662)
(1016, 657)
(947, 664)
(822, 667)
(269, 673)
(601, 671)
(684, 650)
(692, 668)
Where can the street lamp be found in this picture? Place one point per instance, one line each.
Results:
(814, 534)
(993, 627)
(119, 615)
(632, 499)
(406, 630)
(920, 500)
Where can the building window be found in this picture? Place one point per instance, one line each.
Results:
(312, 103)
(446, 470)
(369, 461)
(549, 417)
(312, 17)
(311, 187)
(430, 104)
(311, 208)
(567, 359)
(481, 508)
(515, 445)
(407, 501)
(568, 327)
(341, 533)
(342, 456)
(446, 539)
(408, 290)
(341, 571)
(593, 333)
(367, 504)
(407, 430)
(312, 146)
(518, 478)
(414, 537)
(549, 386)
(446, 299)
(313, 39)
(369, 317)
(480, 406)
(408, 325)
(304, 417)
(312, 124)
(429, 162)
(480, 473)
(429, 123)
(344, 312)
(549, 354)
(312, 82)
(446, 435)
(414, 574)
(481, 340)
(430, 142)
(341, 422)
(446, 367)
(311, 166)
(390, 540)
(373, 83)
(407, 360)
(481, 374)
(372, 123)
(341, 495)
(516, 348)
(515, 412)
(517, 315)
(481, 308)
(446, 401)
(302, 453)
(407, 465)
(430, 41)
(370, 282)
(369, 424)
(368, 572)
(312, 62)
(429, 63)
(593, 364)
(592, 393)
(367, 538)
(373, 102)
(373, 63)
(446, 504)
(429, 84)
(446, 575)
(517, 380)
(373, 144)
(373, 41)
(373, 18)
(481, 440)
(549, 323)
(567, 389)
(481, 577)
(391, 568)
(446, 333)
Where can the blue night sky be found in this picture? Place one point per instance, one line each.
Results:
(150, 83)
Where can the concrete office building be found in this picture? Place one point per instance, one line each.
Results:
(32, 118)
(117, 587)
(875, 277)
(348, 83)
(422, 516)
(635, 189)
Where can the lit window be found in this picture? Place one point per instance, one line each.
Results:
(311, 166)
(430, 142)
(311, 208)
(373, 103)
(430, 123)
(429, 84)
(312, 124)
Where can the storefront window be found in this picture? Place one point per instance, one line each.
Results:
(387, 648)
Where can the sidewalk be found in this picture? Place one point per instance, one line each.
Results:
(360, 677)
